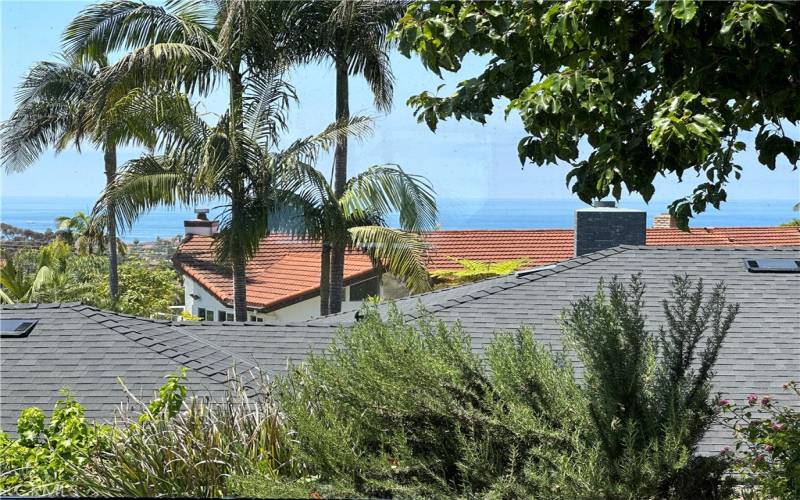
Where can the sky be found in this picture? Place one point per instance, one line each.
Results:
(463, 160)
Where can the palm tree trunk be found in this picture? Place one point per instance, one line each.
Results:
(110, 159)
(337, 279)
(237, 195)
(339, 180)
(324, 278)
(239, 291)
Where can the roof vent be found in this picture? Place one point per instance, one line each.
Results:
(16, 328)
(772, 265)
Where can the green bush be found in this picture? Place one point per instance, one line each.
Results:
(42, 460)
(395, 409)
(649, 395)
(189, 447)
(767, 455)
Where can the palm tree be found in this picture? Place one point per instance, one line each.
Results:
(86, 233)
(54, 109)
(197, 167)
(357, 220)
(19, 285)
(196, 44)
(354, 38)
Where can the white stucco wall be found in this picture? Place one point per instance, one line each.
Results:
(301, 311)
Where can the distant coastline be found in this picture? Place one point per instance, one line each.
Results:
(38, 214)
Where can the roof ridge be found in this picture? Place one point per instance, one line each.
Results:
(217, 374)
(534, 275)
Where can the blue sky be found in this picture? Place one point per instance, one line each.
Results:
(462, 159)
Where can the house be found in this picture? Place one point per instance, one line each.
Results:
(283, 277)
(86, 349)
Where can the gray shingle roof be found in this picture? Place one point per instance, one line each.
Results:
(762, 350)
(86, 350)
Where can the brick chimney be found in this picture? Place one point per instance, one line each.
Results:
(605, 226)
(200, 225)
(664, 220)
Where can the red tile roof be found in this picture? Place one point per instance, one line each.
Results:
(285, 270)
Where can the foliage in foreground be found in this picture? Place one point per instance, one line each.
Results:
(399, 409)
(650, 395)
(189, 447)
(43, 458)
(767, 454)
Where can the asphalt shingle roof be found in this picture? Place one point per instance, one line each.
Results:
(86, 349)
(761, 352)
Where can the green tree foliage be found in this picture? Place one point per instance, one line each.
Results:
(54, 273)
(767, 453)
(446, 423)
(475, 270)
(653, 88)
(41, 461)
(649, 395)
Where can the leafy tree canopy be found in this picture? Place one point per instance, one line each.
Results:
(654, 88)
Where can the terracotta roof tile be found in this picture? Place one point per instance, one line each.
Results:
(285, 270)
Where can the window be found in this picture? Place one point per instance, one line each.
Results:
(209, 315)
(220, 315)
(16, 327)
(252, 318)
(773, 265)
(202, 312)
(260, 320)
(363, 289)
(229, 316)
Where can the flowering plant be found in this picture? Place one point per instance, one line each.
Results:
(767, 449)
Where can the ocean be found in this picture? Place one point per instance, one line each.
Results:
(38, 214)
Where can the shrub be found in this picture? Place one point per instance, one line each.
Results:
(395, 409)
(649, 395)
(768, 444)
(189, 447)
(40, 461)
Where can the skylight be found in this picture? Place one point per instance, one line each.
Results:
(773, 265)
(16, 327)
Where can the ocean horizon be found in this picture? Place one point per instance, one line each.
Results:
(39, 213)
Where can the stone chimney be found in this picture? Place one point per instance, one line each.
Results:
(604, 226)
(200, 225)
(664, 220)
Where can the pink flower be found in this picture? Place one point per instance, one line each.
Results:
(751, 399)
(725, 451)
(759, 458)
(777, 426)
(768, 448)
(765, 400)
(724, 402)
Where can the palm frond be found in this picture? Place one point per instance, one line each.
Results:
(308, 149)
(161, 64)
(50, 112)
(116, 25)
(147, 182)
(266, 104)
(387, 188)
(401, 253)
